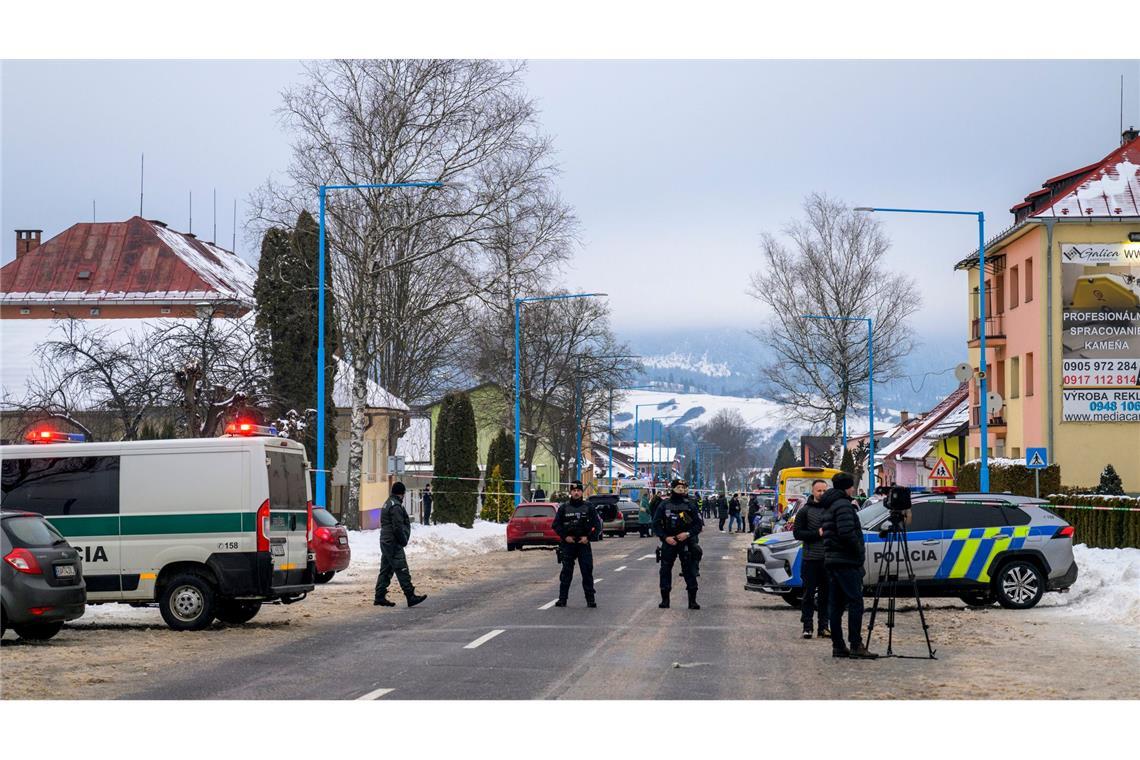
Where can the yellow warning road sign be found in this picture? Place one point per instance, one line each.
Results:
(941, 471)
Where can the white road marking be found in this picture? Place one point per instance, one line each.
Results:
(726, 557)
(375, 694)
(647, 556)
(620, 556)
(484, 639)
(619, 569)
(548, 605)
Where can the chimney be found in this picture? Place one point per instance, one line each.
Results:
(904, 416)
(27, 241)
(1129, 135)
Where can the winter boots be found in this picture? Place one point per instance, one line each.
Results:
(414, 598)
(664, 600)
(860, 652)
(693, 600)
(383, 601)
(560, 603)
(590, 601)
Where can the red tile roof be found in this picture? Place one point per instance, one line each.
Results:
(1108, 188)
(131, 261)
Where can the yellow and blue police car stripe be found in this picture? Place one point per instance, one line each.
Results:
(972, 550)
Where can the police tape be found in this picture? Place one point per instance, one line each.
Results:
(1083, 506)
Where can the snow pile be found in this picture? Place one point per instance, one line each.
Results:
(1107, 587)
(431, 542)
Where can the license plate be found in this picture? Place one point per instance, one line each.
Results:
(278, 550)
(342, 541)
(537, 534)
(65, 571)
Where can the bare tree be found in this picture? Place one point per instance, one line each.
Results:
(731, 433)
(835, 268)
(401, 260)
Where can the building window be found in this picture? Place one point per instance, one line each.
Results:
(164, 310)
(1015, 452)
(1013, 285)
(25, 310)
(999, 295)
(1029, 374)
(95, 311)
(1015, 377)
(1028, 281)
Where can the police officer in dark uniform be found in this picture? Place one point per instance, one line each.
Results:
(577, 523)
(676, 523)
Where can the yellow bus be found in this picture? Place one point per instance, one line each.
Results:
(794, 484)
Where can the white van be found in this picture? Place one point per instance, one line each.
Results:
(206, 527)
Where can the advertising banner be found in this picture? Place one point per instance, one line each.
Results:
(1100, 291)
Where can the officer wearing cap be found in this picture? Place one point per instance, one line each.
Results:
(676, 523)
(577, 524)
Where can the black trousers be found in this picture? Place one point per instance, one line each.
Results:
(427, 515)
(584, 556)
(846, 594)
(393, 561)
(816, 582)
(669, 555)
(722, 519)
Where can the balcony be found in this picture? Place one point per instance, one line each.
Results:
(995, 332)
(996, 425)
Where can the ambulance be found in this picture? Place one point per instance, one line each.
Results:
(206, 528)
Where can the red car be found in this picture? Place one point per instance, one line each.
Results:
(532, 524)
(329, 544)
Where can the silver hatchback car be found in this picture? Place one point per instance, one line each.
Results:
(979, 547)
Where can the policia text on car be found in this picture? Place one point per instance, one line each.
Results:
(577, 524)
(677, 523)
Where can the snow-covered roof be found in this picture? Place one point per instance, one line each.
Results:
(918, 441)
(647, 453)
(21, 338)
(137, 260)
(415, 444)
(1111, 189)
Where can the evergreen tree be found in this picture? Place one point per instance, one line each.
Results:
(287, 305)
(499, 504)
(456, 462)
(1110, 483)
(785, 457)
(848, 463)
(501, 452)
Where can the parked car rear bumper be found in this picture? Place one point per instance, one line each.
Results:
(1064, 581)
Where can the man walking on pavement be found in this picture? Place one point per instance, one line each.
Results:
(809, 522)
(426, 500)
(734, 517)
(676, 523)
(721, 510)
(577, 524)
(395, 531)
(843, 556)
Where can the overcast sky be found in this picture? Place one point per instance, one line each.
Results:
(674, 168)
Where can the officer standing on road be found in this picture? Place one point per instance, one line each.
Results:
(676, 523)
(807, 527)
(577, 523)
(395, 531)
(843, 556)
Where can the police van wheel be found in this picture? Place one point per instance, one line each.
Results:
(237, 612)
(37, 631)
(187, 603)
(1019, 585)
(319, 578)
(793, 598)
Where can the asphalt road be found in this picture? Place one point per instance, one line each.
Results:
(503, 639)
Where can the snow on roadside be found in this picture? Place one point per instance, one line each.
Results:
(1107, 587)
(429, 542)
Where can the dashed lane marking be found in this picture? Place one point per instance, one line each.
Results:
(483, 639)
(619, 569)
(726, 557)
(647, 556)
(548, 605)
(375, 694)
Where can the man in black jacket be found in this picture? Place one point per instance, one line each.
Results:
(721, 509)
(843, 555)
(426, 500)
(677, 523)
(807, 527)
(577, 523)
(395, 531)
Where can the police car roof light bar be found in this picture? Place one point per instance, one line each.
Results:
(244, 427)
(54, 436)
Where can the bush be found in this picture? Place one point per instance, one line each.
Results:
(498, 506)
(1110, 482)
(1006, 476)
(456, 462)
(1100, 528)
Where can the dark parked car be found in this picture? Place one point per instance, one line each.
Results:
(41, 578)
(629, 512)
(329, 546)
(611, 509)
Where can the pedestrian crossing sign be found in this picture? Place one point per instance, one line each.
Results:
(941, 471)
(1037, 459)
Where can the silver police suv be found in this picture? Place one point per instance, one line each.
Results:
(979, 547)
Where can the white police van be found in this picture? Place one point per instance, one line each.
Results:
(206, 527)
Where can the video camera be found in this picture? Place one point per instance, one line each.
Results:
(897, 501)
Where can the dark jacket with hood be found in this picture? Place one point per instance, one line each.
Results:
(842, 534)
(395, 525)
(721, 507)
(809, 519)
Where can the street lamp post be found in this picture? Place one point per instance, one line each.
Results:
(518, 372)
(870, 393)
(984, 472)
(578, 411)
(322, 474)
(637, 434)
(657, 437)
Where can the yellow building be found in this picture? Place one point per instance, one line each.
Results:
(1062, 323)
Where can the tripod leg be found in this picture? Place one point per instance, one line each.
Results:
(878, 596)
(917, 599)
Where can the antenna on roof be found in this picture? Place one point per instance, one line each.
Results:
(214, 237)
(233, 245)
(191, 211)
(142, 174)
(92, 210)
(1121, 104)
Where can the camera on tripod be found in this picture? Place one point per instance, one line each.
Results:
(897, 502)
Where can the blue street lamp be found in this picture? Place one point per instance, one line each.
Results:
(631, 388)
(711, 447)
(578, 411)
(658, 435)
(518, 384)
(870, 392)
(637, 434)
(984, 474)
(319, 496)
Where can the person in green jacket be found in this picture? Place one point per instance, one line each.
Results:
(644, 515)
